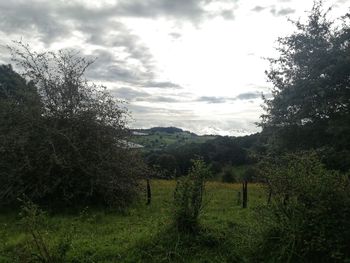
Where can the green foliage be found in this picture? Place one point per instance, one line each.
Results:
(250, 174)
(309, 211)
(228, 176)
(188, 197)
(38, 247)
(310, 104)
(143, 233)
(208, 245)
(61, 137)
(20, 110)
(218, 152)
(164, 164)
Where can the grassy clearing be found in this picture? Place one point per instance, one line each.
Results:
(229, 233)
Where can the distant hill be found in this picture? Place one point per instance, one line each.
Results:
(170, 130)
(159, 138)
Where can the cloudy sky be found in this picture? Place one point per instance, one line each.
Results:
(194, 64)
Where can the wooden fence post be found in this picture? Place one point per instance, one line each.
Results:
(149, 193)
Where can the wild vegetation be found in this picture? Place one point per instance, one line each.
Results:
(142, 233)
(61, 135)
(71, 190)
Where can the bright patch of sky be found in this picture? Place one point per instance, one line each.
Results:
(195, 64)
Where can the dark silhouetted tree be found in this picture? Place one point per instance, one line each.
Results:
(310, 107)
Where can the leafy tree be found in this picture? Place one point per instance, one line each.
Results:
(310, 107)
(77, 152)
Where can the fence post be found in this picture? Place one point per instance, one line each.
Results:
(149, 193)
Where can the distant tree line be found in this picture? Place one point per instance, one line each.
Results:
(218, 153)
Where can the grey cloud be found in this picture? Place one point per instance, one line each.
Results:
(242, 96)
(154, 113)
(161, 84)
(32, 17)
(50, 21)
(191, 9)
(227, 14)
(248, 96)
(113, 73)
(54, 19)
(258, 8)
(175, 35)
(163, 99)
(211, 99)
(116, 35)
(129, 93)
(282, 11)
(109, 68)
(285, 11)
(133, 95)
(275, 11)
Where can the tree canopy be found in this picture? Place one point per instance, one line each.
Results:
(310, 105)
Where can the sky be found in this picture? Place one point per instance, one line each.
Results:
(194, 64)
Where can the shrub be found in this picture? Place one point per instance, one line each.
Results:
(308, 217)
(39, 247)
(188, 197)
(66, 142)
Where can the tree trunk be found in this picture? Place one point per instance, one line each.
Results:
(149, 193)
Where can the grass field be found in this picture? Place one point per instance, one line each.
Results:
(144, 234)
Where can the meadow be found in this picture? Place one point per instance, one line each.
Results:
(143, 233)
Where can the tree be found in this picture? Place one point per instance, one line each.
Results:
(311, 85)
(20, 112)
(77, 153)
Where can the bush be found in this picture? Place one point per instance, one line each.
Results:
(39, 247)
(188, 197)
(65, 144)
(308, 217)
